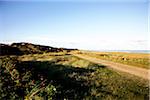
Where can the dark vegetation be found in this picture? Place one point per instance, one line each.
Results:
(56, 80)
(9, 50)
(19, 78)
(28, 48)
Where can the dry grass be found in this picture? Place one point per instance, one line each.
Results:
(134, 59)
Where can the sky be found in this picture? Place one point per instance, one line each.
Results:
(82, 24)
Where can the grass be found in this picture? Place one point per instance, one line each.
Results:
(67, 77)
(41, 57)
(134, 59)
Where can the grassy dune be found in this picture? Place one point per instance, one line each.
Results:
(135, 59)
(66, 77)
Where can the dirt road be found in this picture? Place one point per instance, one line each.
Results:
(141, 72)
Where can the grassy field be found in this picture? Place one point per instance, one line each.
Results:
(135, 59)
(46, 76)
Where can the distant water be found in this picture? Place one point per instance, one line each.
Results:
(130, 51)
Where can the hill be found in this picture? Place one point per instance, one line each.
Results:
(28, 48)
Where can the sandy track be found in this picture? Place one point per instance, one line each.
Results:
(141, 72)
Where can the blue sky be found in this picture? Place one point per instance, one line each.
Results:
(91, 24)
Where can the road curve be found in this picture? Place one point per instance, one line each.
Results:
(141, 72)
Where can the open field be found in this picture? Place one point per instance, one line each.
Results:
(134, 59)
(63, 76)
